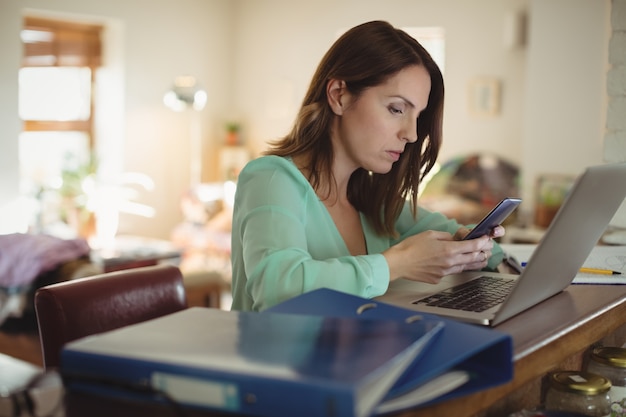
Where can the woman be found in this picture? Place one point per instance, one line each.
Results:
(334, 203)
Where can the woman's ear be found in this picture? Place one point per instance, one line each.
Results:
(337, 95)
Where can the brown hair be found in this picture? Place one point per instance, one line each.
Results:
(366, 56)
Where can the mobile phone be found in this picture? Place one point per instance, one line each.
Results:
(494, 218)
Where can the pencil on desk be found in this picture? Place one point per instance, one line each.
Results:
(586, 270)
(599, 271)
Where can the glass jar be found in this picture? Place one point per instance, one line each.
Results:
(579, 392)
(610, 362)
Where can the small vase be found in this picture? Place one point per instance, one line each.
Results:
(232, 138)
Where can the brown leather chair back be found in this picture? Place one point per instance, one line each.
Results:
(74, 309)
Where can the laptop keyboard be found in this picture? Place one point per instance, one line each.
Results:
(477, 295)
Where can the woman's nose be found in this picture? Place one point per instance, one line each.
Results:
(410, 131)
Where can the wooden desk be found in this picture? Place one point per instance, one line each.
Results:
(135, 252)
(551, 335)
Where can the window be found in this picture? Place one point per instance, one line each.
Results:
(56, 98)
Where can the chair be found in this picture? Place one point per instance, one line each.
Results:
(74, 309)
(204, 288)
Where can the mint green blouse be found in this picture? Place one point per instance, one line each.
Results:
(285, 243)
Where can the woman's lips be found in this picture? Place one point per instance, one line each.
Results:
(395, 155)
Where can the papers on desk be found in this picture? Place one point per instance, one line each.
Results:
(603, 257)
(25, 388)
(431, 390)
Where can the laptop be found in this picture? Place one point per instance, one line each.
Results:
(577, 227)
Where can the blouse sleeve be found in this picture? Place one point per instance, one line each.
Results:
(291, 245)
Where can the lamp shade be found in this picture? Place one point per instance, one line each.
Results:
(185, 93)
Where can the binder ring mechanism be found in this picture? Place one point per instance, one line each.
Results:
(368, 306)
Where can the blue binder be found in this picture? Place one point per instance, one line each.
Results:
(258, 364)
(485, 354)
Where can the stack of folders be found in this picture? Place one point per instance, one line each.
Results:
(26, 390)
(258, 364)
(464, 359)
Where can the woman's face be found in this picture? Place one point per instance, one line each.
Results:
(373, 129)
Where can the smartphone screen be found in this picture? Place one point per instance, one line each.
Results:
(495, 217)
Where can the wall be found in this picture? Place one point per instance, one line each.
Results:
(280, 42)
(615, 138)
(565, 102)
(256, 58)
(154, 41)
(553, 110)
(9, 123)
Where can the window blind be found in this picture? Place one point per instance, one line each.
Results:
(60, 43)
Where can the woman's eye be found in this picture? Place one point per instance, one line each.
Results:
(395, 110)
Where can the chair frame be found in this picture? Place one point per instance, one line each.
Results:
(77, 308)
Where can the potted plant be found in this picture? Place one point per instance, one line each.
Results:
(77, 178)
(232, 133)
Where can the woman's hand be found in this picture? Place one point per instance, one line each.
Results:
(462, 231)
(430, 255)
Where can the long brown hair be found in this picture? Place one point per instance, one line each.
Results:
(366, 56)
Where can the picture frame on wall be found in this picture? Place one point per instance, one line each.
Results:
(484, 97)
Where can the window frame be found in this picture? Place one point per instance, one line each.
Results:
(64, 43)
